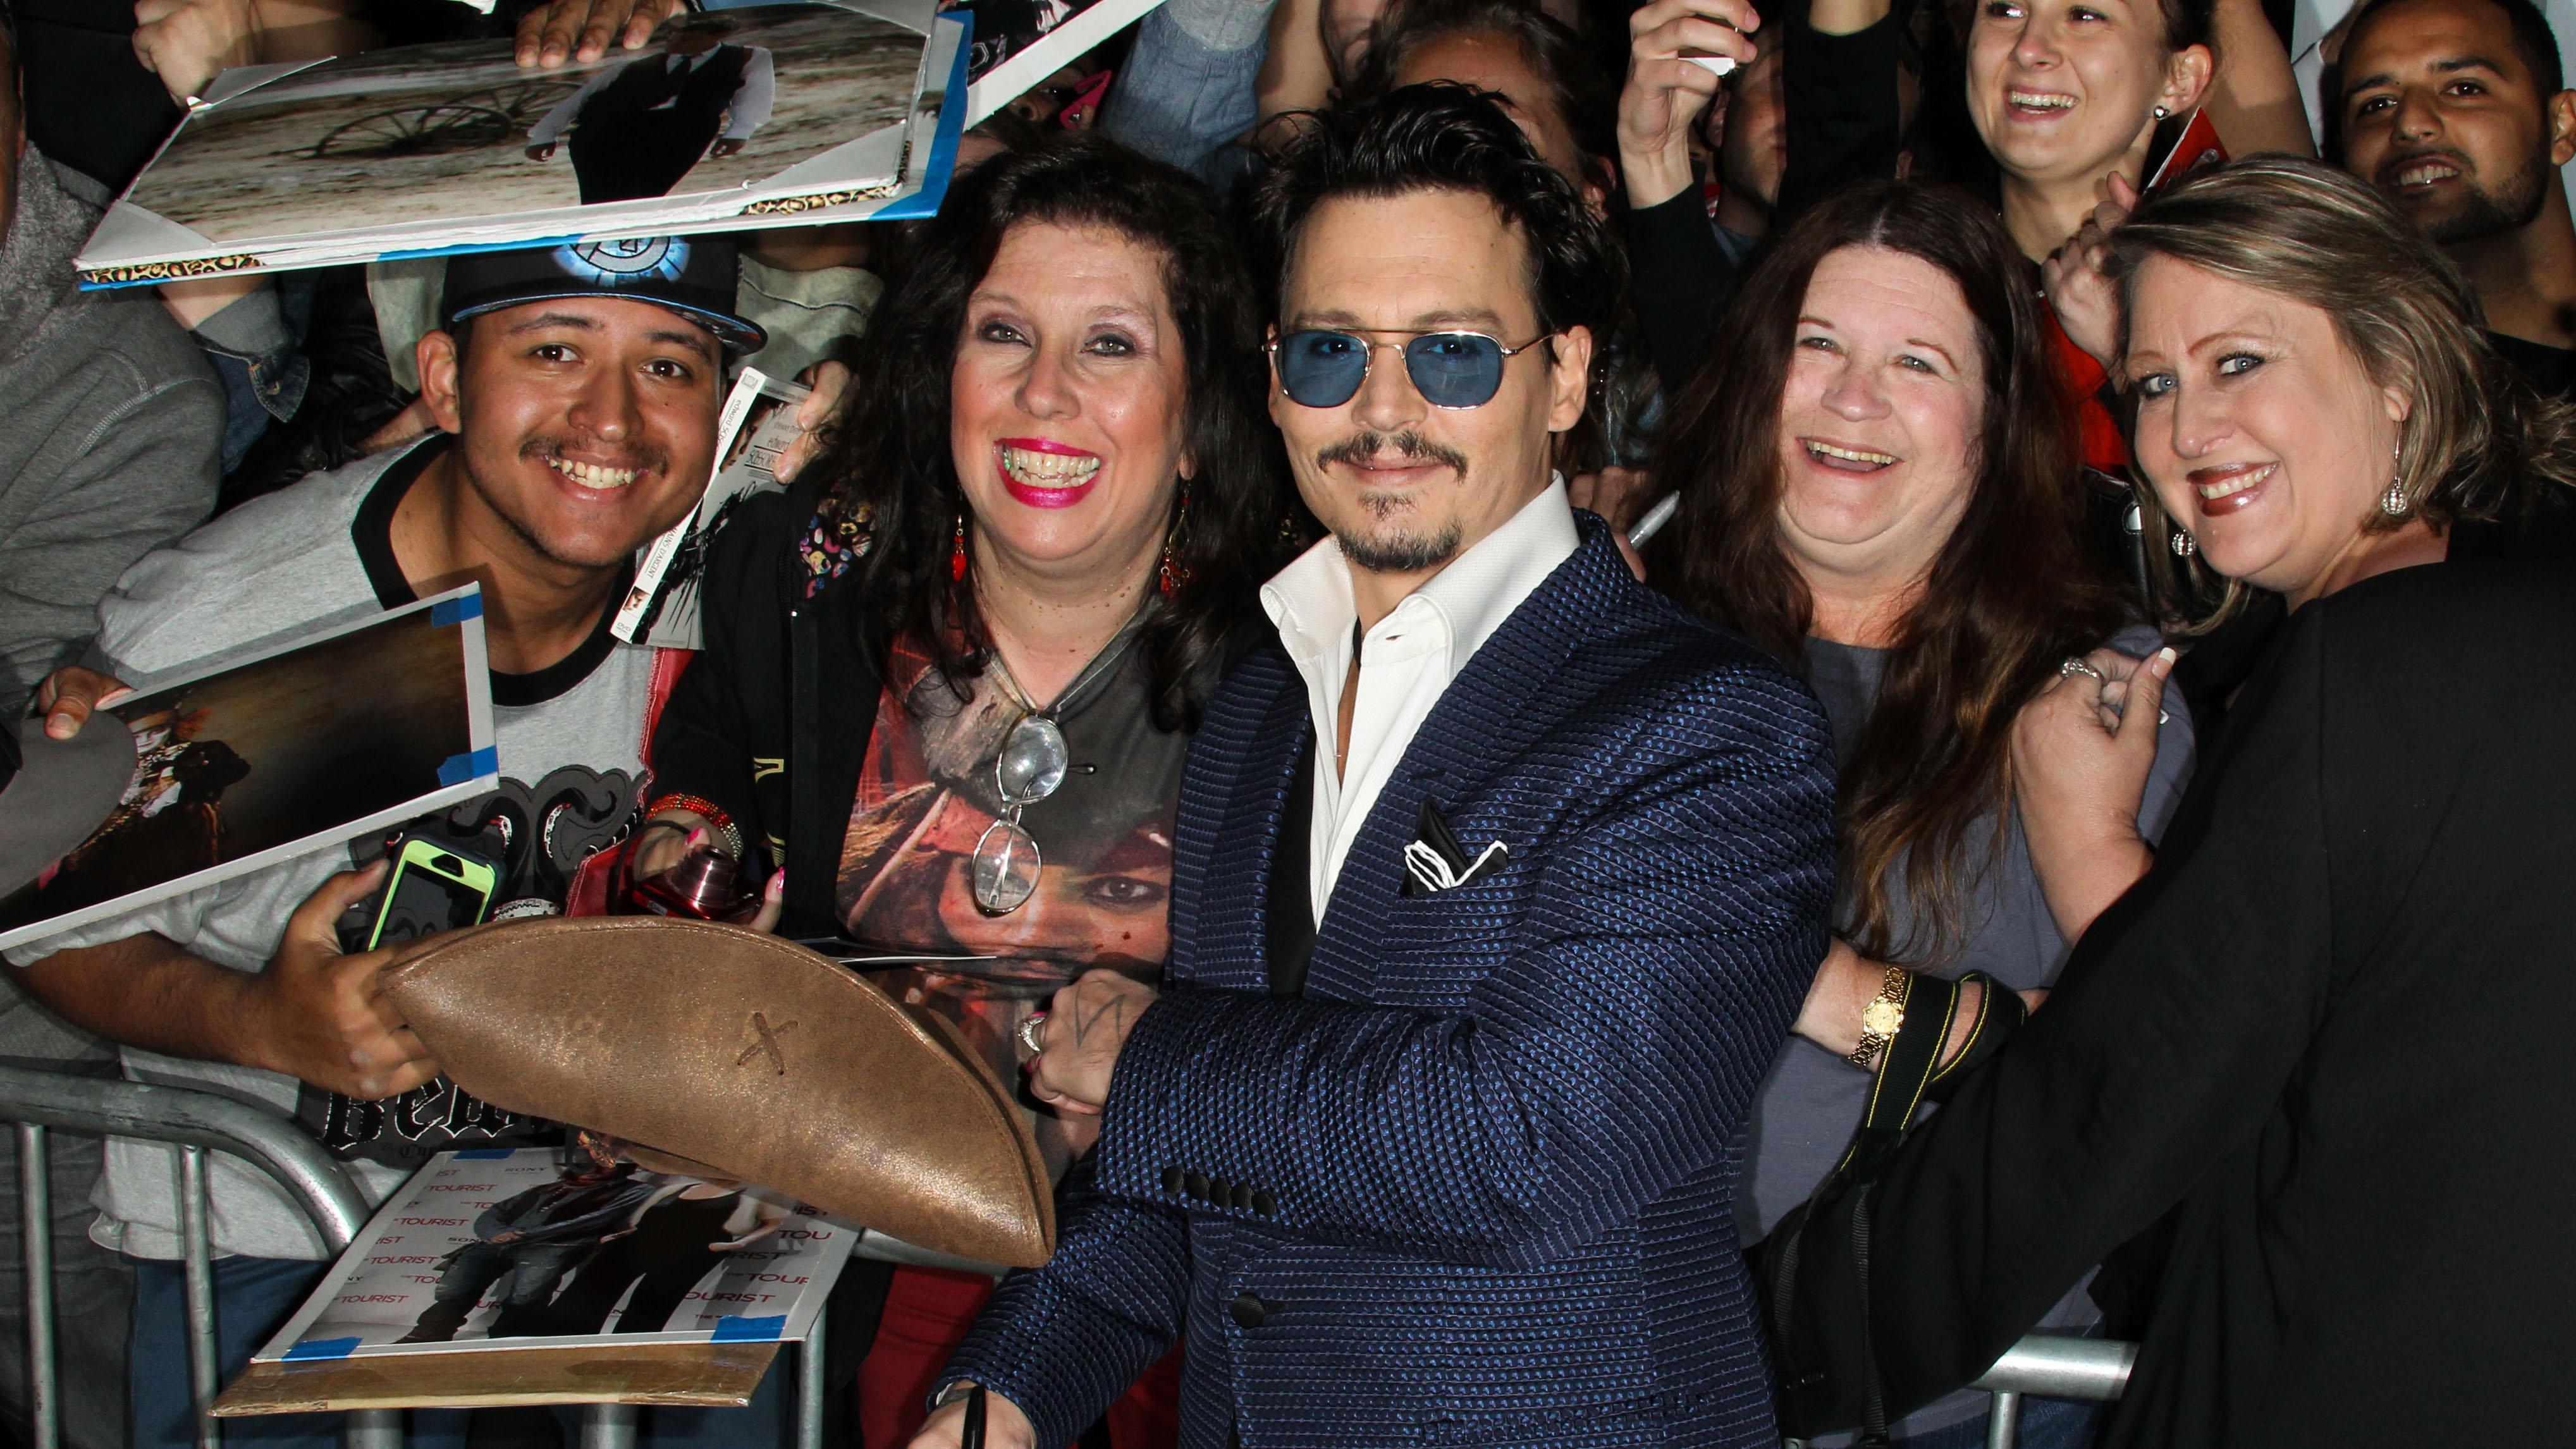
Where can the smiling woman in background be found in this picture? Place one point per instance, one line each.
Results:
(950, 676)
(1874, 486)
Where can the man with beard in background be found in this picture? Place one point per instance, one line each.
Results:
(2459, 111)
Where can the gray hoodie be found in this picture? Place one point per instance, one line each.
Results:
(110, 425)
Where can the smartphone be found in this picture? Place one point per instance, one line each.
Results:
(2180, 146)
(430, 887)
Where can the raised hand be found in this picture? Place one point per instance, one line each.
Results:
(70, 693)
(2082, 750)
(185, 42)
(2076, 279)
(828, 381)
(581, 30)
(1665, 92)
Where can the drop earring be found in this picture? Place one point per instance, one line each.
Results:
(2184, 545)
(1168, 576)
(957, 554)
(2394, 502)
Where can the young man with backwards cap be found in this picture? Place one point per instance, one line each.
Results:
(576, 389)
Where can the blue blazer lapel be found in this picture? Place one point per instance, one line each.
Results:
(1470, 736)
(1235, 955)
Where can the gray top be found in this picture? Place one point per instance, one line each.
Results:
(108, 439)
(1812, 1099)
(109, 426)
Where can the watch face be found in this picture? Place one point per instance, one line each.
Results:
(1882, 1018)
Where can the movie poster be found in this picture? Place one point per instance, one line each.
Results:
(315, 741)
(481, 1248)
(714, 103)
(735, 118)
(1020, 44)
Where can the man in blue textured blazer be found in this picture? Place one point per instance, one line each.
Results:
(1498, 881)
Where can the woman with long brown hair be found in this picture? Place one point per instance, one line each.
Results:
(1873, 472)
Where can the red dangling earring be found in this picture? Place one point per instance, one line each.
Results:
(957, 555)
(1169, 575)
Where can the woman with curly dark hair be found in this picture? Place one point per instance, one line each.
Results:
(950, 676)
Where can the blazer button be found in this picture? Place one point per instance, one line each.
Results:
(1173, 1177)
(1249, 1311)
(1242, 1197)
(1196, 1185)
(1266, 1205)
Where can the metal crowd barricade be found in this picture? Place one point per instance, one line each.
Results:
(2045, 1366)
(40, 1101)
(2050, 1366)
(195, 1122)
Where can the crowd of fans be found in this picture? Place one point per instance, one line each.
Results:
(2040, 478)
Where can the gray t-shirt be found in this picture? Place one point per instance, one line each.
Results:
(1812, 1099)
(315, 553)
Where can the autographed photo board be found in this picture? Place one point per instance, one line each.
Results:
(483, 1248)
(317, 740)
(453, 144)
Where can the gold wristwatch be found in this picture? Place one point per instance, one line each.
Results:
(1882, 1019)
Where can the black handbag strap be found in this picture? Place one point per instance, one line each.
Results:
(1910, 1073)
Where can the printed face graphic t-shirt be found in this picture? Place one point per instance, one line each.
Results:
(926, 796)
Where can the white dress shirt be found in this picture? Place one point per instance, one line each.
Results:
(1406, 662)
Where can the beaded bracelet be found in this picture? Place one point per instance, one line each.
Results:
(713, 813)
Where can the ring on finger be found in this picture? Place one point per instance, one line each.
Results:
(2074, 665)
(1033, 1033)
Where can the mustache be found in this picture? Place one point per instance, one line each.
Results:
(1359, 448)
(541, 447)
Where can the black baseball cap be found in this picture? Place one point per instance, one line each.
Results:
(693, 276)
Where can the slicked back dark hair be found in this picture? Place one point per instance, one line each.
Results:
(2534, 44)
(1583, 96)
(889, 450)
(1446, 137)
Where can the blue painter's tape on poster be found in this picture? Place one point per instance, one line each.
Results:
(456, 611)
(749, 1330)
(322, 1348)
(458, 251)
(457, 769)
(484, 1154)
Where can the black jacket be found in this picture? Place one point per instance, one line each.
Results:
(2327, 1033)
(772, 719)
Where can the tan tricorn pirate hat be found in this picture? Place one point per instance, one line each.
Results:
(743, 1052)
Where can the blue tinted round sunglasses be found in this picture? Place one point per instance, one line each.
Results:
(1324, 369)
